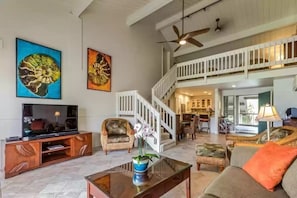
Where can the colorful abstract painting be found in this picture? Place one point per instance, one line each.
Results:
(99, 71)
(38, 73)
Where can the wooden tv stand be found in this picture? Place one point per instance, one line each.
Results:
(21, 156)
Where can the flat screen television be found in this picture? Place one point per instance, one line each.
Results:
(48, 120)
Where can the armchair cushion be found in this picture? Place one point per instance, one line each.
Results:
(118, 138)
(275, 135)
(269, 164)
(116, 127)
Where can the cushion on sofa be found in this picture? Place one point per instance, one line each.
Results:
(234, 182)
(241, 154)
(268, 165)
(289, 181)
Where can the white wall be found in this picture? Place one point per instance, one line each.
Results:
(136, 57)
(284, 95)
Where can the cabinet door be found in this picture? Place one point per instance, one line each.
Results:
(20, 157)
(82, 144)
(209, 103)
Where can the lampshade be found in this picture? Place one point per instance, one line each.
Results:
(57, 113)
(268, 113)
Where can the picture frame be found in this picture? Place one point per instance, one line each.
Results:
(99, 70)
(38, 70)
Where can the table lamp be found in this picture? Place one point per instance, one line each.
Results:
(269, 114)
(57, 114)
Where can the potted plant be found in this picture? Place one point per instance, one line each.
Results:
(141, 161)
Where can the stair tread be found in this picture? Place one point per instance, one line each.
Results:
(167, 141)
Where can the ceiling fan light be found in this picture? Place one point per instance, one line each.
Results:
(218, 29)
(182, 42)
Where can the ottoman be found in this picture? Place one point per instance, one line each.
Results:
(211, 154)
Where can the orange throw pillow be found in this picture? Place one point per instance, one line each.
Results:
(268, 165)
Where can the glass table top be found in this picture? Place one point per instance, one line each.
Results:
(122, 181)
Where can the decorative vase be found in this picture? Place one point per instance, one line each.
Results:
(140, 165)
(140, 178)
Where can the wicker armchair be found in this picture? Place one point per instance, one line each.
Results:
(258, 140)
(290, 138)
(116, 134)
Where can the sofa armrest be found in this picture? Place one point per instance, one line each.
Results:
(241, 154)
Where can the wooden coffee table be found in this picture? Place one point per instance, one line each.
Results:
(163, 175)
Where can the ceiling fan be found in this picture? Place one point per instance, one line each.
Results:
(183, 38)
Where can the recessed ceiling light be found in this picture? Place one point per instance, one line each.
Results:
(233, 86)
(205, 92)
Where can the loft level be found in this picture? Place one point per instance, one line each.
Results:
(266, 56)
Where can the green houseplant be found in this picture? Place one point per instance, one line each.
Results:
(141, 161)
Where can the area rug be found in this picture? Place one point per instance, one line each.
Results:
(199, 181)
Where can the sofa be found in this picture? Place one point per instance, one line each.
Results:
(116, 134)
(235, 182)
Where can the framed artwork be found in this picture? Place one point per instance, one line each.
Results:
(99, 71)
(38, 71)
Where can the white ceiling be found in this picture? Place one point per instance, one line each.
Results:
(238, 18)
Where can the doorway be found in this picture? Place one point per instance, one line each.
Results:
(248, 110)
(242, 111)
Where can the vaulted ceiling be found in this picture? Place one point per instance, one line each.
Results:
(238, 18)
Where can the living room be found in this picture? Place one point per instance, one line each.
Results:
(136, 59)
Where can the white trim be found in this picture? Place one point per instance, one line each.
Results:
(145, 11)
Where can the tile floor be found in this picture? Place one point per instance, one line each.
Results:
(66, 179)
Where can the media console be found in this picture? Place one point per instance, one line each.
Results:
(21, 156)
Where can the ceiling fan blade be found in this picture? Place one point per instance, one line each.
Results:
(177, 48)
(195, 42)
(185, 36)
(196, 32)
(175, 29)
(174, 41)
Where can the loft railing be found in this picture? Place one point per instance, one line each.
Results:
(130, 103)
(270, 55)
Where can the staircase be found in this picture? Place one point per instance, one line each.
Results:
(275, 58)
(132, 105)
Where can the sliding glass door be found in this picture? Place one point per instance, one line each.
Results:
(248, 110)
(229, 108)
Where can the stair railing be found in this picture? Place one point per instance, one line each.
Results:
(130, 103)
(167, 116)
(165, 87)
(165, 84)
